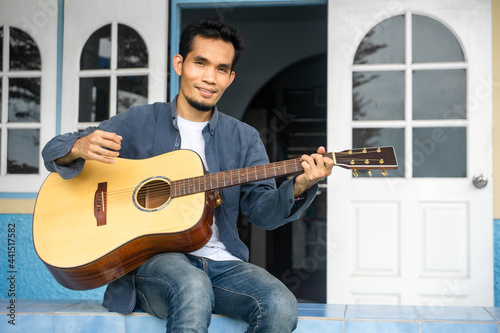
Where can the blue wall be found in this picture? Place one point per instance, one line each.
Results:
(496, 249)
(31, 277)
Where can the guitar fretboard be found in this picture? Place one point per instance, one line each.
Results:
(230, 178)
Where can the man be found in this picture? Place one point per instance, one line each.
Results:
(185, 289)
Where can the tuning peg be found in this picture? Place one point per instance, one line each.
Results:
(384, 172)
(370, 172)
(354, 173)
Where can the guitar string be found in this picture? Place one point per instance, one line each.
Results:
(191, 185)
(228, 177)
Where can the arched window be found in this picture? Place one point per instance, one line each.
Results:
(20, 77)
(113, 73)
(409, 91)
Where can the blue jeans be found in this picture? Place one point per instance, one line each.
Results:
(185, 290)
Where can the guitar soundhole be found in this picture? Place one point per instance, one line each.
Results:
(153, 194)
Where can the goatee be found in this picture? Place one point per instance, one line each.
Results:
(200, 106)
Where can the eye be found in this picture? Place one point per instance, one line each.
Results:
(223, 70)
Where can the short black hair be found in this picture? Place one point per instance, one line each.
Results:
(213, 28)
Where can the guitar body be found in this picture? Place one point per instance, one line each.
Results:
(107, 221)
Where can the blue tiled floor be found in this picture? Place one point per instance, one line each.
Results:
(89, 316)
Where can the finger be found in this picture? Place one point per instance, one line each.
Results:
(321, 150)
(106, 157)
(107, 139)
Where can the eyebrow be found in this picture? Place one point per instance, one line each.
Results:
(203, 59)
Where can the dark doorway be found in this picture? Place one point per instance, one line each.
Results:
(290, 113)
(280, 89)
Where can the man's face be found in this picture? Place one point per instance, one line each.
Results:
(205, 73)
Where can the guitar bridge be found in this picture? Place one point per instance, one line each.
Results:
(100, 203)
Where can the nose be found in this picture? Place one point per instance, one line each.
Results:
(209, 76)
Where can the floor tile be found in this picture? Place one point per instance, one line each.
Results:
(454, 313)
(145, 324)
(495, 312)
(309, 325)
(459, 328)
(32, 323)
(89, 323)
(87, 307)
(42, 306)
(381, 326)
(331, 311)
(395, 312)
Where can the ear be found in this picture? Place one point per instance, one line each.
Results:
(231, 79)
(177, 63)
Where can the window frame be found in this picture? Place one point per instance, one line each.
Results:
(45, 37)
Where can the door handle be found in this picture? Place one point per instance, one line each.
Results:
(480, 181)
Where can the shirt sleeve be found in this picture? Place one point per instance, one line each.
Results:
(267, 206)
(58, 147)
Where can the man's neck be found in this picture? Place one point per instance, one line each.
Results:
(187, 112)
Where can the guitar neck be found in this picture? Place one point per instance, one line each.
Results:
(366, 158)
(220, 180)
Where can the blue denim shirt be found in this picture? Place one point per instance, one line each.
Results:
(152, 130)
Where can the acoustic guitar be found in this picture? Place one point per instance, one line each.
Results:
(96, 227)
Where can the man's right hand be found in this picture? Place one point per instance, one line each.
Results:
(99, 146)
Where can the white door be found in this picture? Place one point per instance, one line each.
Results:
(115, 56)
(415, 75)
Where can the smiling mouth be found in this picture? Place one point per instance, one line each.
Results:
(206, 91)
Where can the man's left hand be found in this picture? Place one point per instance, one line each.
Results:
(316, 167)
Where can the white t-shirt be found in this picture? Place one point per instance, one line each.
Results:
(192, 138)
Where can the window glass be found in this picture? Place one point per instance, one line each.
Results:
(132, 90)
(379, 137)
(94, 99)
(439, 152)
(383, 44)
(1, 49)
(378, 95)
(433, 42)
(439, 94)
(23, 151)
(96, 53)
(23, 51)
(24, 100)
(132, 51)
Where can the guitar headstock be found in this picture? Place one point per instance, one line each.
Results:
(383, 158)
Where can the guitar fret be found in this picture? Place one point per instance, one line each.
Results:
(284, 164)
